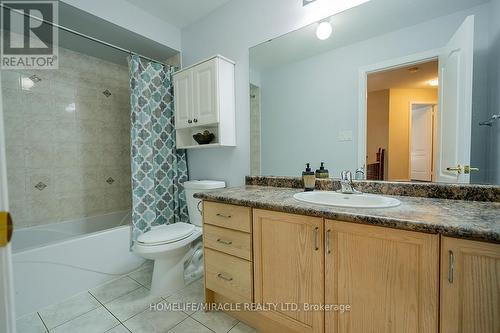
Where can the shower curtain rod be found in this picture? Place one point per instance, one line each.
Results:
(83, 35)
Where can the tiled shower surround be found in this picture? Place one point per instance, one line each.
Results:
(68, 140)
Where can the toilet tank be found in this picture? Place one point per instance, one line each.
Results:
(193, 186)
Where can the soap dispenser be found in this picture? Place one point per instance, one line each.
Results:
(322, 172)
(309, 178)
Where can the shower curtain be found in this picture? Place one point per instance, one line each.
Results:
(158, 169)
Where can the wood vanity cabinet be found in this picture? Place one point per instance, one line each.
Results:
(392, 280)
(288, 267)
(389, 277)
(228, 251)
(470, 286)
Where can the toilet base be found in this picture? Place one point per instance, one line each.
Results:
(168, 273)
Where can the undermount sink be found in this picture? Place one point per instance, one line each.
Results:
(329, 198)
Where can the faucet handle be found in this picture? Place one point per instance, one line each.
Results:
(346, 175)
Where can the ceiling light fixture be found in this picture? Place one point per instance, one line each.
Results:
(324, 30)
(433, 82)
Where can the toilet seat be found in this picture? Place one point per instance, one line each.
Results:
(166, 234)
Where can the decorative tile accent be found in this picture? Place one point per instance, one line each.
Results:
(110, 180)
(40, 186)
(107, 93)
(35, 78)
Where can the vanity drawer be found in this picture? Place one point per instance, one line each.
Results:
(232, 242)
(229, 276)
(228, 216)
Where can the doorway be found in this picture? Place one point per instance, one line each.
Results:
(400, 131)
(422, 120)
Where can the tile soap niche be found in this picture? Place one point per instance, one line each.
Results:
(204, 100)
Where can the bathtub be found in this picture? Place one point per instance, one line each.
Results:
(56, 261)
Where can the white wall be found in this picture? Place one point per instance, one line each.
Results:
(493, 161)
(130, 17)
(307, 103)
(231, 30)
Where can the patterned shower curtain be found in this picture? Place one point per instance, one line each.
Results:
(158, 169)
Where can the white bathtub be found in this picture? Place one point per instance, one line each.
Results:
(56, 261)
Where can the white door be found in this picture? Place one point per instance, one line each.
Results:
(421, 142)
(183, 101)
(7, 322)
(205, 93)
(455, 105)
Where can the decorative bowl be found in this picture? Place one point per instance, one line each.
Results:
(204, 138)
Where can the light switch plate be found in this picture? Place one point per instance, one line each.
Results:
(345, 136)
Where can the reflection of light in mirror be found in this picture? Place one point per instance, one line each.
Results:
(71, 107)
(26, 83)
(433, 82)
(324, 30)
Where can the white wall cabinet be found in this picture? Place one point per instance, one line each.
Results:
(204, 100)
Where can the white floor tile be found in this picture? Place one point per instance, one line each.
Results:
(189, 326)
(118, 329)
(243, 328)
(114, 289)
(143, 276)
(95, 321)
(30, 323)
(154, 321)
(131, 304)
(194, 293)
(217, 321)
(71, 308)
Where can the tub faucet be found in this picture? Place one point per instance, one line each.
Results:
(346, 185)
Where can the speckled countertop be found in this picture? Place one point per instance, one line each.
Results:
(456, 218)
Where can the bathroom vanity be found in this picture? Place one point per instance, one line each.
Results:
(428, 265)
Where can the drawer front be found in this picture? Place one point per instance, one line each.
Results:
(229, 276)
(228, 216)
(229, 241)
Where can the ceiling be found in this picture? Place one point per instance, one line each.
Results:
(404, 78)
(353, 25)
(179, 13)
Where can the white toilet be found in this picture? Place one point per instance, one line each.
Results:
(170, 246)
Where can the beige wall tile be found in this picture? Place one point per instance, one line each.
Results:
(65, 133)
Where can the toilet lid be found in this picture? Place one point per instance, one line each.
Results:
(164, 234)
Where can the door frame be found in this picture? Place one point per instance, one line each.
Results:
(7, 309)
(433, 158)
(363, 72)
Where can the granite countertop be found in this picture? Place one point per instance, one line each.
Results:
(456, 218)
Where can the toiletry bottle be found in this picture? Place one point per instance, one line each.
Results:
(309, 178)
(322, 172)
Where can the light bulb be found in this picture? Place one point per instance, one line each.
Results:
(433, 82)
(324, 30)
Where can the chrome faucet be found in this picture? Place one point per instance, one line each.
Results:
(346, 185)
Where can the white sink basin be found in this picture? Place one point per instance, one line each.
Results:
(329, 198)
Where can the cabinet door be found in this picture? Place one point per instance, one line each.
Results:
(288, 267)
(183, 101)
(205, 93)
(470, 286)
(388, 277)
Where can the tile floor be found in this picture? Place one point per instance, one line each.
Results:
(123, 306)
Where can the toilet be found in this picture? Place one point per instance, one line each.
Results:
(172, 246)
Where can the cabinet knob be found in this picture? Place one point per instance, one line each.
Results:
(195, 120)
(190, 121)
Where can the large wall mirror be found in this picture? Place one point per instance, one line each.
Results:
(402, 90)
